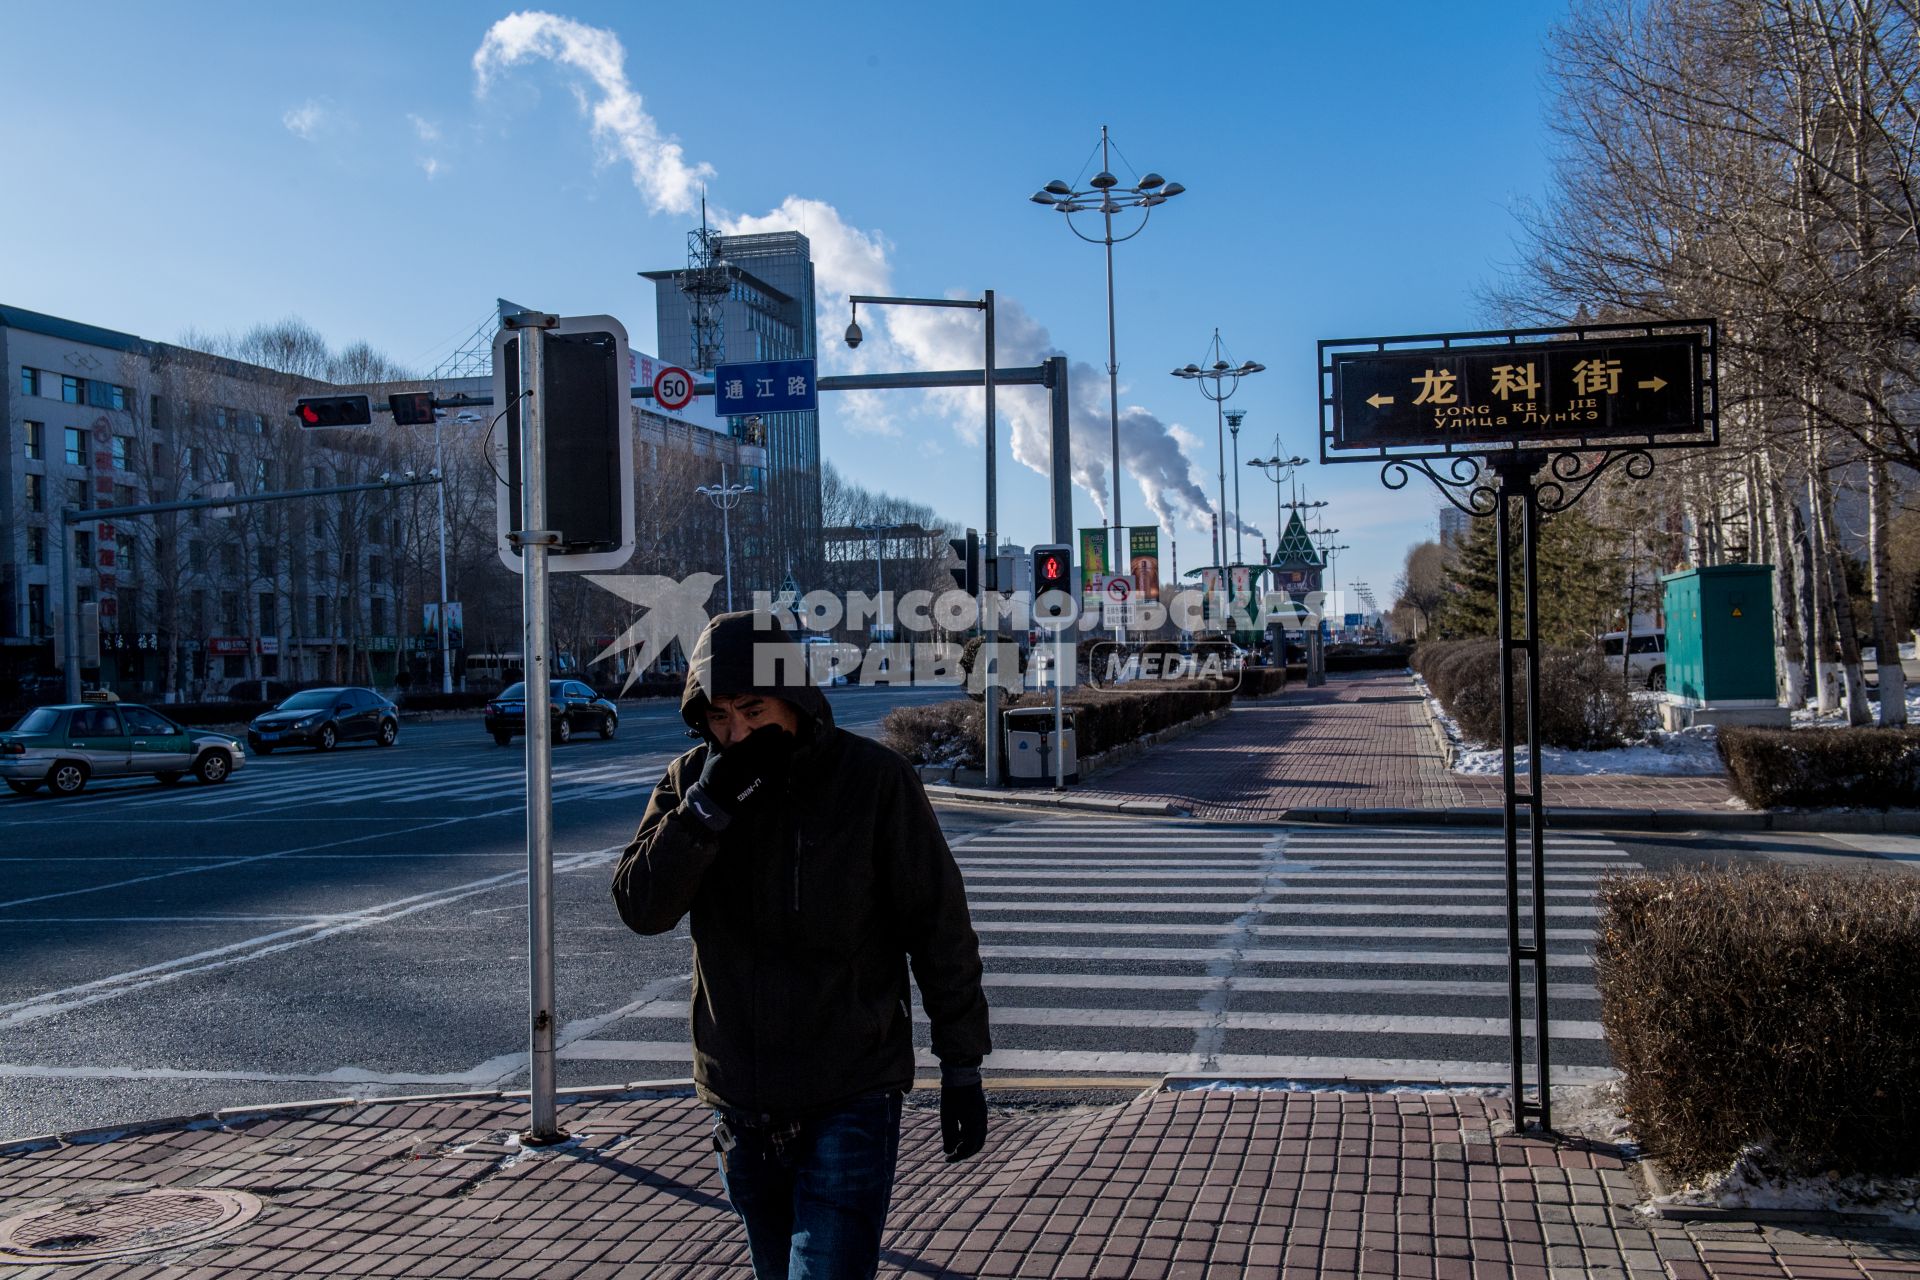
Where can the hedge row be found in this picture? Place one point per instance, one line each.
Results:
(943, 732)
(1866, 767)
(1765, 1005)
(1583, 706)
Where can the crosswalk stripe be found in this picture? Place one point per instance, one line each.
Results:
(1254, 985)
(1425, 932)
(1272, 955)
(1084, 1062)
(1267, 908)
(1080, 892)
(1231, 1020)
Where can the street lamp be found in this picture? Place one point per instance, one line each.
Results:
(1105, 196)
(879, 578)
(726, 497)
(1234, 418)
(1278, 470)
(1218, 381)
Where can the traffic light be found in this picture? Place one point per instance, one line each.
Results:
(587, 430)
(966, 574)
(333, 411)
(1052, 580)
(411, 408)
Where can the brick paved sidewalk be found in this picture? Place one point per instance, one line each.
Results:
(1211, 1183)
(1361, 741)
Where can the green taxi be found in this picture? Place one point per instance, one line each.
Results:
(63, 747)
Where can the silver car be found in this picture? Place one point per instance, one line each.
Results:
(64, 747)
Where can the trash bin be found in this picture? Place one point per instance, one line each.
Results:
(1030, 747)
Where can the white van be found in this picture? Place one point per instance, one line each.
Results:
(1645, 652)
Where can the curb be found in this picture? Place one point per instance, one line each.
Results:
(1898, 821)
(1046, 799)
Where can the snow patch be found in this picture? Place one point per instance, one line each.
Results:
(1755, 1182)
(1686, 753)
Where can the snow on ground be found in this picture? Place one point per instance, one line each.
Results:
(1688, 753)
(1807, 718)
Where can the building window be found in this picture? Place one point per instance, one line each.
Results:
(197, 556)
(269, 614)
(76, 447)
(266, 561)
(29, 381)
(36, 445)
(124, 496)
(199, 619)
(263, 473)
(36, 493)
(222, 416)
(36, 609)
(223, 466)
(375, 568)
(36, 544)
(73, 390)
(122, 446)
(230, 558)
(320, 616)
(257, 424)
(189, 462)
(124, 545)
(83, 549)
(77, 494)
(230, 612)
(106, 395)
(379, 605)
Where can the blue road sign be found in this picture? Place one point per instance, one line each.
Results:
(770, 386)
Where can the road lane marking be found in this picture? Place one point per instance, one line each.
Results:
(1272, 955)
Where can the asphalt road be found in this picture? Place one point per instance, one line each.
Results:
(355, 924)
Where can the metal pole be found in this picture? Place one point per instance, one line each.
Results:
(535, 539)
(446, 647)
(1238, 553)
(69, 606)
(1113, 351)
(992, 760)
(1503, 560)
(1060, 454)
(725, 503)
(1220, 442)
(1536, 807)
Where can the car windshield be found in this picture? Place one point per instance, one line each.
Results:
(38, 720)
(517, 691)
(311, 700)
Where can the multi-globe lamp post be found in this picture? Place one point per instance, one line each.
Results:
(726, 497)
(1105, 196)
(1217, 382)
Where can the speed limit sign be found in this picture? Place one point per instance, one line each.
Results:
(673, 388)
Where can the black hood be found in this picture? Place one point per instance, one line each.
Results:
(724, 661)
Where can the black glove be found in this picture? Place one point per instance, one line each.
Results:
(733, 776)
(963, 1120)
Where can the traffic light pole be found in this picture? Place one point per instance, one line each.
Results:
(71, 516)
(534, 540)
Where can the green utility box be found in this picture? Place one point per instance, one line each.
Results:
(1720, 647)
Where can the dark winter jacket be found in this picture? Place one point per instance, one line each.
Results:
(809, 909)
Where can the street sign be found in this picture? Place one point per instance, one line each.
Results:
(673, 388)
(1493, 391)
(1119, 588)
(770, 386)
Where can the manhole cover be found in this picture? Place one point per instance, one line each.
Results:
(117, 1226)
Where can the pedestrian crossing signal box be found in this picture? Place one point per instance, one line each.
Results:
(1052, 580)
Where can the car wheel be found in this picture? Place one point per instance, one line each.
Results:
(213, 767)
(562, 731)
(21, 788)
(609, 726)
(67, 778)
(389, 732)
(327, 736)
(167, 779)
(503, 739)
(1658, 680)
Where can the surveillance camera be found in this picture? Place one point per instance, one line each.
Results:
(853, 334)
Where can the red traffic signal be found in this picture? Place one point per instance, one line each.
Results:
(1052, 569)
(334, 411)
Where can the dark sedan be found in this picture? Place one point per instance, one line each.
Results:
(324, 718)
(574, 708)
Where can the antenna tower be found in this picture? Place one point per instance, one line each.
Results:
(706, 285)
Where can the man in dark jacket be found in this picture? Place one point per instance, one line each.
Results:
(816, 875)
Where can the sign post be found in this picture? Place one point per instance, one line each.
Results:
(533, 540)
(1526, 417)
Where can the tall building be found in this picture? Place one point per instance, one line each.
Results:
(743, 299)
(1455, 526)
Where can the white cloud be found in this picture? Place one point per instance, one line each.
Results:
(311, 118)
(430, 167)
(424, 129)
(621, 124)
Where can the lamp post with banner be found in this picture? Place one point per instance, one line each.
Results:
(1217, 382)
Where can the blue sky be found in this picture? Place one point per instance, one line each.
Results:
(1351, 170)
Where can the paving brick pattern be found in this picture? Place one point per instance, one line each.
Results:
(1360, 741)
(1206, 1183)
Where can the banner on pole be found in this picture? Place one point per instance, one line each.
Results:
(1143, 561)
(1093, 559)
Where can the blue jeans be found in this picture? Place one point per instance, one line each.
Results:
(813, 1194)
